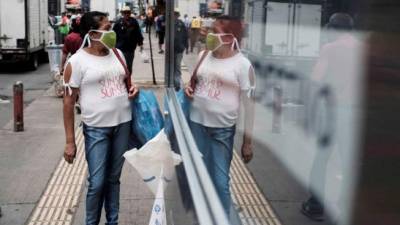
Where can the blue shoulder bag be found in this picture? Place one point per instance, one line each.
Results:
(147, 120)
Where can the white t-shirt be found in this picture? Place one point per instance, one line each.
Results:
(103, 95)
(217, 94)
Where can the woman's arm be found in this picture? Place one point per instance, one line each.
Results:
(70, 96)
(248, 102)
(63, 60)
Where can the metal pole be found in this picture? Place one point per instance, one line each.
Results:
(169, 43)
(151, 53)
(18, 89)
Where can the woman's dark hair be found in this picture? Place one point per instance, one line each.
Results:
(341, 21)
(91, 21)
(231, 25)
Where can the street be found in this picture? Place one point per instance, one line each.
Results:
(35, 84)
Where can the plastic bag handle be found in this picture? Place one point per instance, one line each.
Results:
(128, 75)
(193, 79)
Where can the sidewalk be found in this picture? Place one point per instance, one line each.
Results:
(28, 158)
(142, 72)
(38, 187)
(34, 190)
(32, 164)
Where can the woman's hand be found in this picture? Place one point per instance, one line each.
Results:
(189, 92)
(133, 91)
(70, 152)
(247, 152)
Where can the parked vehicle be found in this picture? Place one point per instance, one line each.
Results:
(23, 31)
(299, 24)
(285, 34)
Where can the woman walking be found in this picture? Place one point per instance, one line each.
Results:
(225, 78)
(97, 74)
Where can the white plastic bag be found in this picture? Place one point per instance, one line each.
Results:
(145, 58)
(158, 215)
(152, 158)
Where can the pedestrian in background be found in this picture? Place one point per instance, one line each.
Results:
(72, 42)
(337, 68)
(180, 44)
(156, 25)
(161, 32)
(194, 32)
(225, 78)
(63, 26)
(142, 23)
(148, 22)
(186, 21)
(129, 35)
(96, 72)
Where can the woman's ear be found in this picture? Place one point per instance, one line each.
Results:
(94, 35)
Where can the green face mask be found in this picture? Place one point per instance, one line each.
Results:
(214, 41)
(108, 38)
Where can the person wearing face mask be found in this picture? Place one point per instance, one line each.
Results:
(96, 72)
(225, 78)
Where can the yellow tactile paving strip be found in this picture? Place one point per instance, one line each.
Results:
(254, 209)
(58, 204)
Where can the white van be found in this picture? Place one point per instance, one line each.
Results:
(23, 31)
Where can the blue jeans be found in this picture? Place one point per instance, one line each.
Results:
(104, 147)
(216, 145)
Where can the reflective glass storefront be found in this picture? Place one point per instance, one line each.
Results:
(324, 135)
